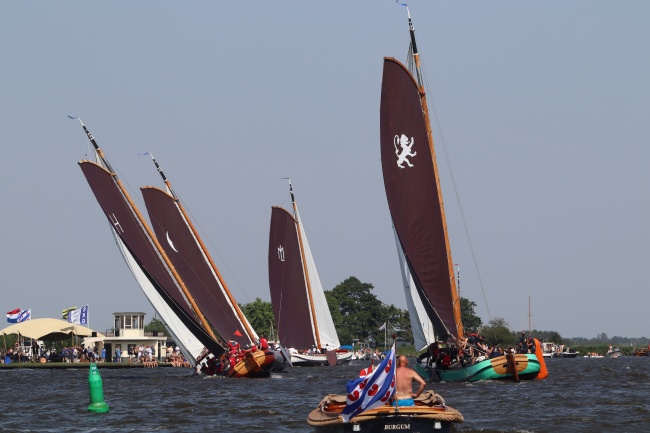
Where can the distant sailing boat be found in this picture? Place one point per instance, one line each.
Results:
(303, 319)
(152, 268)
(193, 262)
(414, 196)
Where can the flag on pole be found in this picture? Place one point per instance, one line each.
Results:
(18, 315)
(382, 327)
(25, 315)
(371, 391)
(12, 316)
(66, 311)
(80, 316)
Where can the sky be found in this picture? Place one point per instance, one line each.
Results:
(542, 113)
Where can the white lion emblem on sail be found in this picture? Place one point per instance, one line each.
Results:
(403, 150)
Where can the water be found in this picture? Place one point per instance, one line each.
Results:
(580, 395)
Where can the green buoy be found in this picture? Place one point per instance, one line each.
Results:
(97, 403)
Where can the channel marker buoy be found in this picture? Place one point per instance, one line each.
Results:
(97, 403)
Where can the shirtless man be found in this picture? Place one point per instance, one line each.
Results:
(404, 377)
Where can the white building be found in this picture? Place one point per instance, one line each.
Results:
(129, 334)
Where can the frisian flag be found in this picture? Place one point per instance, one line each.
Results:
(18, 315)
(371, 391)
(80, 316)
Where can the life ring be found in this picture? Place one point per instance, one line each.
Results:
(43, 360)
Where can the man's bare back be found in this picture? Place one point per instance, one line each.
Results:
(404, 377)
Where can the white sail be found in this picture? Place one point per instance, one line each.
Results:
(326, 330)
(421, 325)
(186, 341)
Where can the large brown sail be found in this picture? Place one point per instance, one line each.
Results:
(182, 248)
(128, 228)
(408, 165)
(287, 283)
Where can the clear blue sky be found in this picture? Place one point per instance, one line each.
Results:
(543, 105)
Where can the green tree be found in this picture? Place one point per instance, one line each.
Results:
(155, 325)
(260, 315)
(356, 311)
(398, 323)
(471, 322)
(498, 331)
(555, 337)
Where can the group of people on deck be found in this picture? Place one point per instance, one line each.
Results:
(220, 366)
(470, 350)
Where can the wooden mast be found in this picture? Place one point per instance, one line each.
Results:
(206, 254)
(304, 268)
(180, 282)
(425, 112)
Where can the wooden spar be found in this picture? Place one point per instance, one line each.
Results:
(207, 255)
(304, 268)
(180, 282)
(425, 112)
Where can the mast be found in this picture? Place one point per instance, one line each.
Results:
(304, 267)
(206, 254)
(195, 308)
(425, 112)
(530, 330)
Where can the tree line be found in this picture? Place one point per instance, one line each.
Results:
(358, 315)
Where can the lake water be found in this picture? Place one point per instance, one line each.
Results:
(580, 395)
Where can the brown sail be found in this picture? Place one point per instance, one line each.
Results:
(185, 253)
(287, 283)
(127, 226)
(411, 182)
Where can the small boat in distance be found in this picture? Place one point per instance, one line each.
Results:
(548, 349)
(613, 352)
(552, 350)
(642, 351)
(414, 196)
(303, 319)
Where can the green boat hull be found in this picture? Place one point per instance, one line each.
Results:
(527, 366)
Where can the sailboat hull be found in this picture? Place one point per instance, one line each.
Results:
(304, 360)
(426, 415)
(254, 364)
(526, 367)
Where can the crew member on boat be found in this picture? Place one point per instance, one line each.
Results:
(264, 344)
(404, 378)
(522, 346)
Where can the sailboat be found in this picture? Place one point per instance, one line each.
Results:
(303, 319)
(414, 195)
(194, 264)
(367, 404)
(152, 268)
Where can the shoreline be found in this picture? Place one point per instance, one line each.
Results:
(77, 365)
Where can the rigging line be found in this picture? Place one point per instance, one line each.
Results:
(456, 193)
(214, 249)
(204, 236)
(222, 284)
